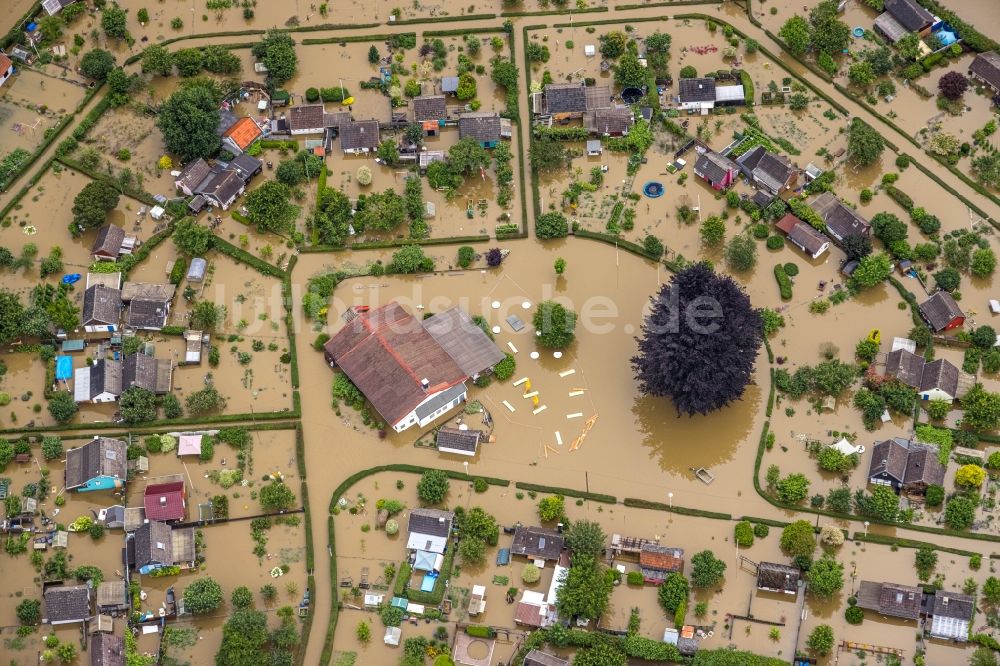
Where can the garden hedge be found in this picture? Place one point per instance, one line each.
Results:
(682, 510)
(566, 492)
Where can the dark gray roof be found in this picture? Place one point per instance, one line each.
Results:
(890, 456)
(890, 599)
(467, 344)
(107, 650)
(425, 409)
(696, 90)
(940, 374)
(762, 198)
(146, 314)
(336, 119)
(246, 165)
(909, 14)
(773, 171)
(306, 117)
(154, 544)
(922, 467)
(429, 107)
(987, 67)
(616, 120)
(359, 134)
(194, 173)
(804, 235)
(940, 310)
(98, 457)
(105, 377)
(482, 126)
(459, 440)
(223, 186)
(906, 366)
(537, 543)
(953, 604)
(109, 241)
(145, 372)
(539, 658)
(432, 522)
(714, 166)
(749, 160)
(566, 98)
(67, 603)
(773, 576)
(148, 291)
(101, 306)
(841, 220)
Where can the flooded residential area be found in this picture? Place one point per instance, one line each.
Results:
(506, 334)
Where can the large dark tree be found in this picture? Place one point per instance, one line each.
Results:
(953, 85)
(92, 205)
(857, 246)
(277, 52)
(700, 342)
(189, 119)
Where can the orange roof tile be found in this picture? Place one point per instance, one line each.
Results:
(5, 62)
(243, 132)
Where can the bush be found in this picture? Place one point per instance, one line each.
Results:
(312, 95)
(634, 578)
(775, 243)
(760, 530)
(531, 574)
(551, 225)
(743, 533)
(854, 615)
(433, 486)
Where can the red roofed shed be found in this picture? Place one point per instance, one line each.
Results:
(164, 501)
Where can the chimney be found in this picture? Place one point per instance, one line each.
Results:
(425, 383)
(944, 601)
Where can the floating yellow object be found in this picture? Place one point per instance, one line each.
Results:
(347, 102)
(875, 335)
(527, 385)
(534, 400)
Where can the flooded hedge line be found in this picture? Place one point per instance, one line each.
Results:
(355, 38)
(910, 543)
(567, 492)
(557, 12)
(445, 19)
(635, 503)
(611, 239)
(139, 195)
(242, 256)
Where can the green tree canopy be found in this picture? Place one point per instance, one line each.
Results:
(333, 216)
(277, 52)
(706, 569)
(189, 119)
(467, 157)
(92, 205)
(585, 537)
(156, 59)
(269, 209)
(673, 592)
(137, 405)
(191, 238)
(382, 211)
(864, 143)
(202, 595)
(825, 577)
(433, 486)
(797, 538)
(586, 589)
(97, 64)
(556, 324)
(796, 34)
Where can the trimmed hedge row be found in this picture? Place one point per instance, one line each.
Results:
(558, 12)
(207, 420)
(400, 242)
(765, 521)
(444, 19)
(286, 297)
(351, 38)
(610, 239)
(242, 256)
(463, 31)
(910, 543)
(682, 510)
(567, 492)
(80, 132)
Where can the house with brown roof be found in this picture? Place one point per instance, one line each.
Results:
(840, 219)
(306, 119)
(359, 137)
(148, 304)
(986, 69)
(905, 465)
(107, 650)
(715, 169)
(483, 126)
(774, 577)
(804, 236)
(937, 380)
(537, 543)
(941, 312)
(411, 371)
(100, 464)
(67, 604)
(102, 309)
(457, 441)
(429, 109)
(112, 597)
(890, 599)
(241, 135)
(147, 372)
(572, 100)
(616, 121)
(656, 562)
(533, 610)
(112, 242)
(6, 68)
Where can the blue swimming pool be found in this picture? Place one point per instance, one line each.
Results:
(427, 584)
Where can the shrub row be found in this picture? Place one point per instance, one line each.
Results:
(444, 19)
(567, 492)
(635, 503)
(611, 239)
(242, 256)
(910, 543)
(140, 195)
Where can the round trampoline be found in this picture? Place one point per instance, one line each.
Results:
(631, 95)
(858, 32)
(653, 189)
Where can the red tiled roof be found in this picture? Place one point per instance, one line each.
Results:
(528, 614)
(387, 353)
(658, 558)
(787, 223)
(5, 62)
(164, 501)
(243, 132)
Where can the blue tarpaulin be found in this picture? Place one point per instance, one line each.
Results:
(64, 367)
